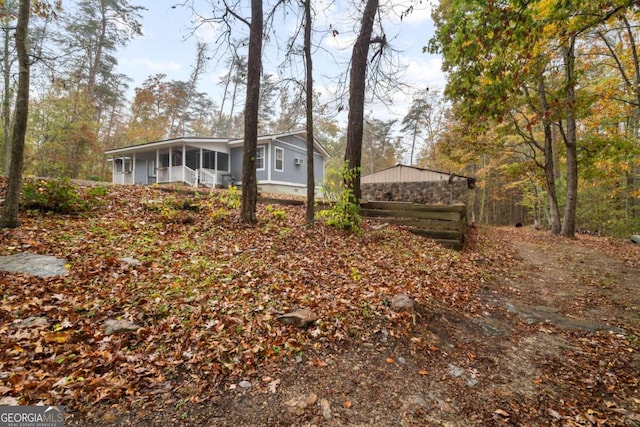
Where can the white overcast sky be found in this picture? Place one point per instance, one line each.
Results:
(167, 47)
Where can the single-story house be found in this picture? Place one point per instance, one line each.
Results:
(405, 183)
(217, 162)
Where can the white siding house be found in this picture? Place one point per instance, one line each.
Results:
(216, 162)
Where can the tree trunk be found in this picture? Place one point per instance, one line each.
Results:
(11, 202)
(311, 183)
(483, 198)
(413, 143)
(94, 65)
(357, 80)
(632, 180)
(569, 222)
(549, 168)
(6, 104)
(249, 182)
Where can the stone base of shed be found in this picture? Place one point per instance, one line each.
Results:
(437, 192)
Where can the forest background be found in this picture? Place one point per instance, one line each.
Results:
(490, 122)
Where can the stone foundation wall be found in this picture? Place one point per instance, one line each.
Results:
(440, 192)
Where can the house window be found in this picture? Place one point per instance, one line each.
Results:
(151, 165)
(164, 160)
(209, 159)
(118, 165)
(260, 158)
(279, 155)
(223, 161)
(176, 158)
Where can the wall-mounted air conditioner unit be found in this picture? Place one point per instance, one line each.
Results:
(298, 161)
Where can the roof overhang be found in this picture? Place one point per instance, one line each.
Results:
(265, 139)
(236, 142)
(175, 142)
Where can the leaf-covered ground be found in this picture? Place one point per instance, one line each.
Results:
(207, 292)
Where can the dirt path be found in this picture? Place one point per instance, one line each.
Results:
(553, 340)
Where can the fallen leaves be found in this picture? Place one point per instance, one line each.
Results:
(57, 337)
(198, 302)
(148, 301)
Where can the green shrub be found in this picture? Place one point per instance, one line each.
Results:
(232, 197)
(189, 205)
(56, 195)
(344, 210)
(98, 191)
(279, 214)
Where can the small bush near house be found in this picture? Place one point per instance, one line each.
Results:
(232, 197)
(344, 212)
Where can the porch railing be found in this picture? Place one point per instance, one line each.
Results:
(123, 178)
(178, 174)
(208, 178)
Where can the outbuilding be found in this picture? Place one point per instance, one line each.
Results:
(403, 183)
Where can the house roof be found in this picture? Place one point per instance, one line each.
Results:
(230, 141)
(406, 173)
(302, 133)
(163, 143)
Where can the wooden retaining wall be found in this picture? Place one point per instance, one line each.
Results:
(446, 224)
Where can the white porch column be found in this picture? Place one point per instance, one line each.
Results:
(268, 148)
(199, 168)
(157, 165)
(133, 168)
(184, 162)
(170, 164)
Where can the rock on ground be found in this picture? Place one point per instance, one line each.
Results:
(34, 264)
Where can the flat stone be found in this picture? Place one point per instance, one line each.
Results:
(299, 404)
(32, 322)
(458, 372)
(326, 409)
(34, 264)
(455, 371)
(636, 239)
(113, 326)
(130, 261)
(244, 384)
(542, 314)
(492, 327)
(401, 302)
(300, 318)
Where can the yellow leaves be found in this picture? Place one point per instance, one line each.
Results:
(550, 30)
(57, 337)
(543, 9)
